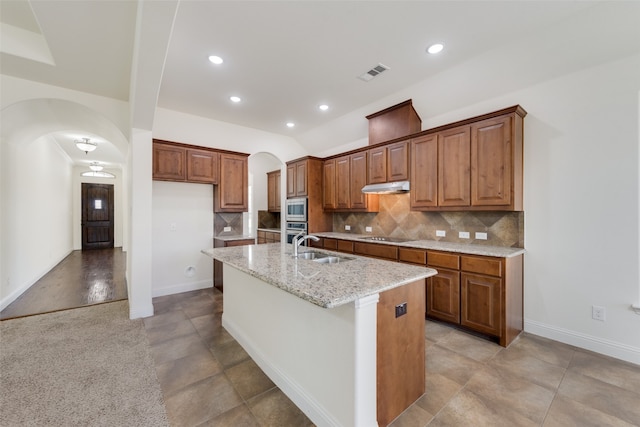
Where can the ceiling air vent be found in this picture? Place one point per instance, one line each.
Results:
(378, 69)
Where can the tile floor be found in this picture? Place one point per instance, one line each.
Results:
(208, 380)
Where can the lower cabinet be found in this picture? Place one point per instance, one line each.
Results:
(268, 237)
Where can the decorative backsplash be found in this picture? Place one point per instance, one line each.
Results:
(222, 220)
(268, 219)
(395, 219)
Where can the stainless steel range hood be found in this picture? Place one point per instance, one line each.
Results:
(387, 188)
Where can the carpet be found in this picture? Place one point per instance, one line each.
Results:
(90, 366)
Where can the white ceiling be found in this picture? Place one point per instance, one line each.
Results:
(284, 58)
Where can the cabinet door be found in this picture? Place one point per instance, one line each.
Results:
(491, 160)
(277, 190)
(424, 172)
(398, 162)
(342, 183)
(358, 164)
(231, 193)
(481, 303)
(169, 162)
(291, 180)
(202, 166)
(377, 165)
(301, 179)
(454, 163)
(329, 185)
(443, 296)
(273, 191)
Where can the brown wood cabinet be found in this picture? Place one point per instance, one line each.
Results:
(231, 194)
(202, 166)
(479, 164)
(345, 191)
(297, 179)
(305, 179)
(388, 252)
(268, 237)
(169, 162)
(388, 163)
(393, 122)
(443, 289)
(273, 191)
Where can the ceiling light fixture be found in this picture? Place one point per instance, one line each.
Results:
(215, 59)
(323, 107)
(86, 145)
(235, 99)
(95, 166)
(435, 48)
(98, 174)
(290, 124)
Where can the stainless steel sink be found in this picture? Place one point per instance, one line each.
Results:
(322, 258)
(311, 255)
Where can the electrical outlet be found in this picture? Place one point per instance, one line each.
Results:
(347, 227)
(463, 234)
(441, 233)
(226, 229)
(173, 226)
(598, 313)
(481, 236)
(368, 229)
(401, 309)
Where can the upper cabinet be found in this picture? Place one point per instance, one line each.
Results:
(394, 122)
(273, 191)
(231, 194)
(169, 162)
(476, 165)
(388, 163)
(343, 180)
(202, 166)
(297, 179)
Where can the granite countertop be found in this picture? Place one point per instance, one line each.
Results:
(231, 237)
(495, 251)
(325, 285)
(273, 230)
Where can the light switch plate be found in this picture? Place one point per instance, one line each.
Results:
(368, 229)
(173, 226)
(441, 233)
(481, 236)
(347, 227)
(226, 229)
(463, 234)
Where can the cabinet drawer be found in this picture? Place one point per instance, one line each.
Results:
(412, 256)
(377, 251)
(345, 246)
(482, 265)
(262, 234)
(319, 244)
(445, 260)
(330, 244)
(240, 242)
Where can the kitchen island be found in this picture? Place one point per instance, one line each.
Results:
(344, 341)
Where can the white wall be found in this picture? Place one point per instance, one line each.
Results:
(182, 226)
(37, 210)
(259, 165)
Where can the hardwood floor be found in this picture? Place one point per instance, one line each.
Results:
(82, 278)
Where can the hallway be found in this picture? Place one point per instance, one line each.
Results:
(82, 278)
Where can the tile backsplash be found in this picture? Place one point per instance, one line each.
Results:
(222, 220)
(395, 219)
(268, 219)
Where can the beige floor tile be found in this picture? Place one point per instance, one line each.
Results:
(196, 307)
(163, 319)
(229, 354)
(177, 348)
(201, 401)
(467, 409)
(435, 331)
(450, 364)
(610, 399)
(177, 374)
(545, 349)
(169, 331)
(502, 391)
(566, 412)
(438, 391)
(413, 416)
(275, 409)
(517, 361)
(607, 369)
(240, 416)
(470, 346)
(248, 379)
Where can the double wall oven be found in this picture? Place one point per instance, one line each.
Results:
(296, 217)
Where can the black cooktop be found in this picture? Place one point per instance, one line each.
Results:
(385, 239)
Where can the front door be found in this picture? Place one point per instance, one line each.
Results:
(97, 216)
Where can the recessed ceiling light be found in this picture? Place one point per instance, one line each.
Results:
(216, 59)
(323, 107)
(290, 124)
(235, 99)
(435, 48)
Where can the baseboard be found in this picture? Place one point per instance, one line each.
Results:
(609, 348)
(290, 388)
(181, 287)
(4, 303)
(140, 312)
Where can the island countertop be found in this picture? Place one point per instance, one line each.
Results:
(325, 285)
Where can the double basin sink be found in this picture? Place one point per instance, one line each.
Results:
(322, 258)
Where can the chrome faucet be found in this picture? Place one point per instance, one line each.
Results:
(297, 241)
